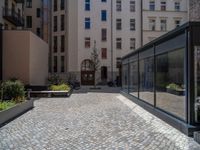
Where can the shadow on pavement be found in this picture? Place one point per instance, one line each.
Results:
(103, 89)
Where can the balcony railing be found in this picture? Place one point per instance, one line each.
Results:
(13, 17)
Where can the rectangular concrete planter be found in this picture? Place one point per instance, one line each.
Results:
(12, 113)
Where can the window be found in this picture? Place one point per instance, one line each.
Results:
(125, 77)
(103, 15)
(38, 32)
(133, 76)
(170, 85)
(132, 6)
(55, 28)
(118, 24)
(132, 43)
(103, 0)
(29, 21)
(87, 23)
(197, 82)
(55, 5)
(62, 22)
(87, 42)
(62, 4)
(104, 53)
(62, 69)
(177, 6)
(163, 5)
(38, 12)
(177, 23)
(119, 43)
(62, 43)
(152, 24)
(118, 5)
(55, 44)
(146, 90)
(55, 64)
(104, 34)
(87, 5)
(152, 5)
(28, 3)
(163, 25)
(132, 24)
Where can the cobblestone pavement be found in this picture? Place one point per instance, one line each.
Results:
(91, 121)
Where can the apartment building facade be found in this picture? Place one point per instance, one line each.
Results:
(103, 24)
(161, 16)
(116, 27)
(11, 14)
(37, 17)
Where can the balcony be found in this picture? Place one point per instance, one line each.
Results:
(13, 17)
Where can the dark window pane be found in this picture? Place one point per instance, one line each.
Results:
(125, 77)
(38, 12)
(170, 86)
(133, 89)
(146, 80)
(197, 83)
(103, 15)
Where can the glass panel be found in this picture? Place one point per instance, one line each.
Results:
(133, 89)
(146, 80)
(170, 86)
(197, 83)
(125, 77)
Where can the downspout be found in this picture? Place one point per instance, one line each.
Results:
(1, 52)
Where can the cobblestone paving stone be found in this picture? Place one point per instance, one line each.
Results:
(91, 121)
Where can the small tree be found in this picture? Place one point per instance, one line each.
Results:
(95, 60)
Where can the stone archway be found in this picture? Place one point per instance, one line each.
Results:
(87, 72)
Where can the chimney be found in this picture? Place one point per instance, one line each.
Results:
(194, 10)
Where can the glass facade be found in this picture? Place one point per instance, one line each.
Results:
(125, 77)
(170, 86)
(146, 80)
(164, 77)
(133, 88)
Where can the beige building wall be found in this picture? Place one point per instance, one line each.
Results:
(38, 62)
(25, 57)
(170, 15)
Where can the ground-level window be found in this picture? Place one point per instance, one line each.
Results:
(125, 77)
(146, 80)
(170, 85)
(133, 83)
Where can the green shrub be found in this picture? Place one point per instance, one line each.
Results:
(174, 86)
(54, 80)
(13, 90)
(61, 87)
(6, 105)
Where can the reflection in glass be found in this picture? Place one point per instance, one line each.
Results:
(197, 83)
(170, 86)
(125, 77)
(133, 89)
(146, 80)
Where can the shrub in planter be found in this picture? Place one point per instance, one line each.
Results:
(13, 90)
(54, 79)
(61, 87)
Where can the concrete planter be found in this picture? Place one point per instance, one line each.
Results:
(12, 113)
(175, 92)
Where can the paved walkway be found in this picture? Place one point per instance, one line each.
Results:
(91, 121)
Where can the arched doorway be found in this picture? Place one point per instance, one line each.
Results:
(104, 74)
(87, 72)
